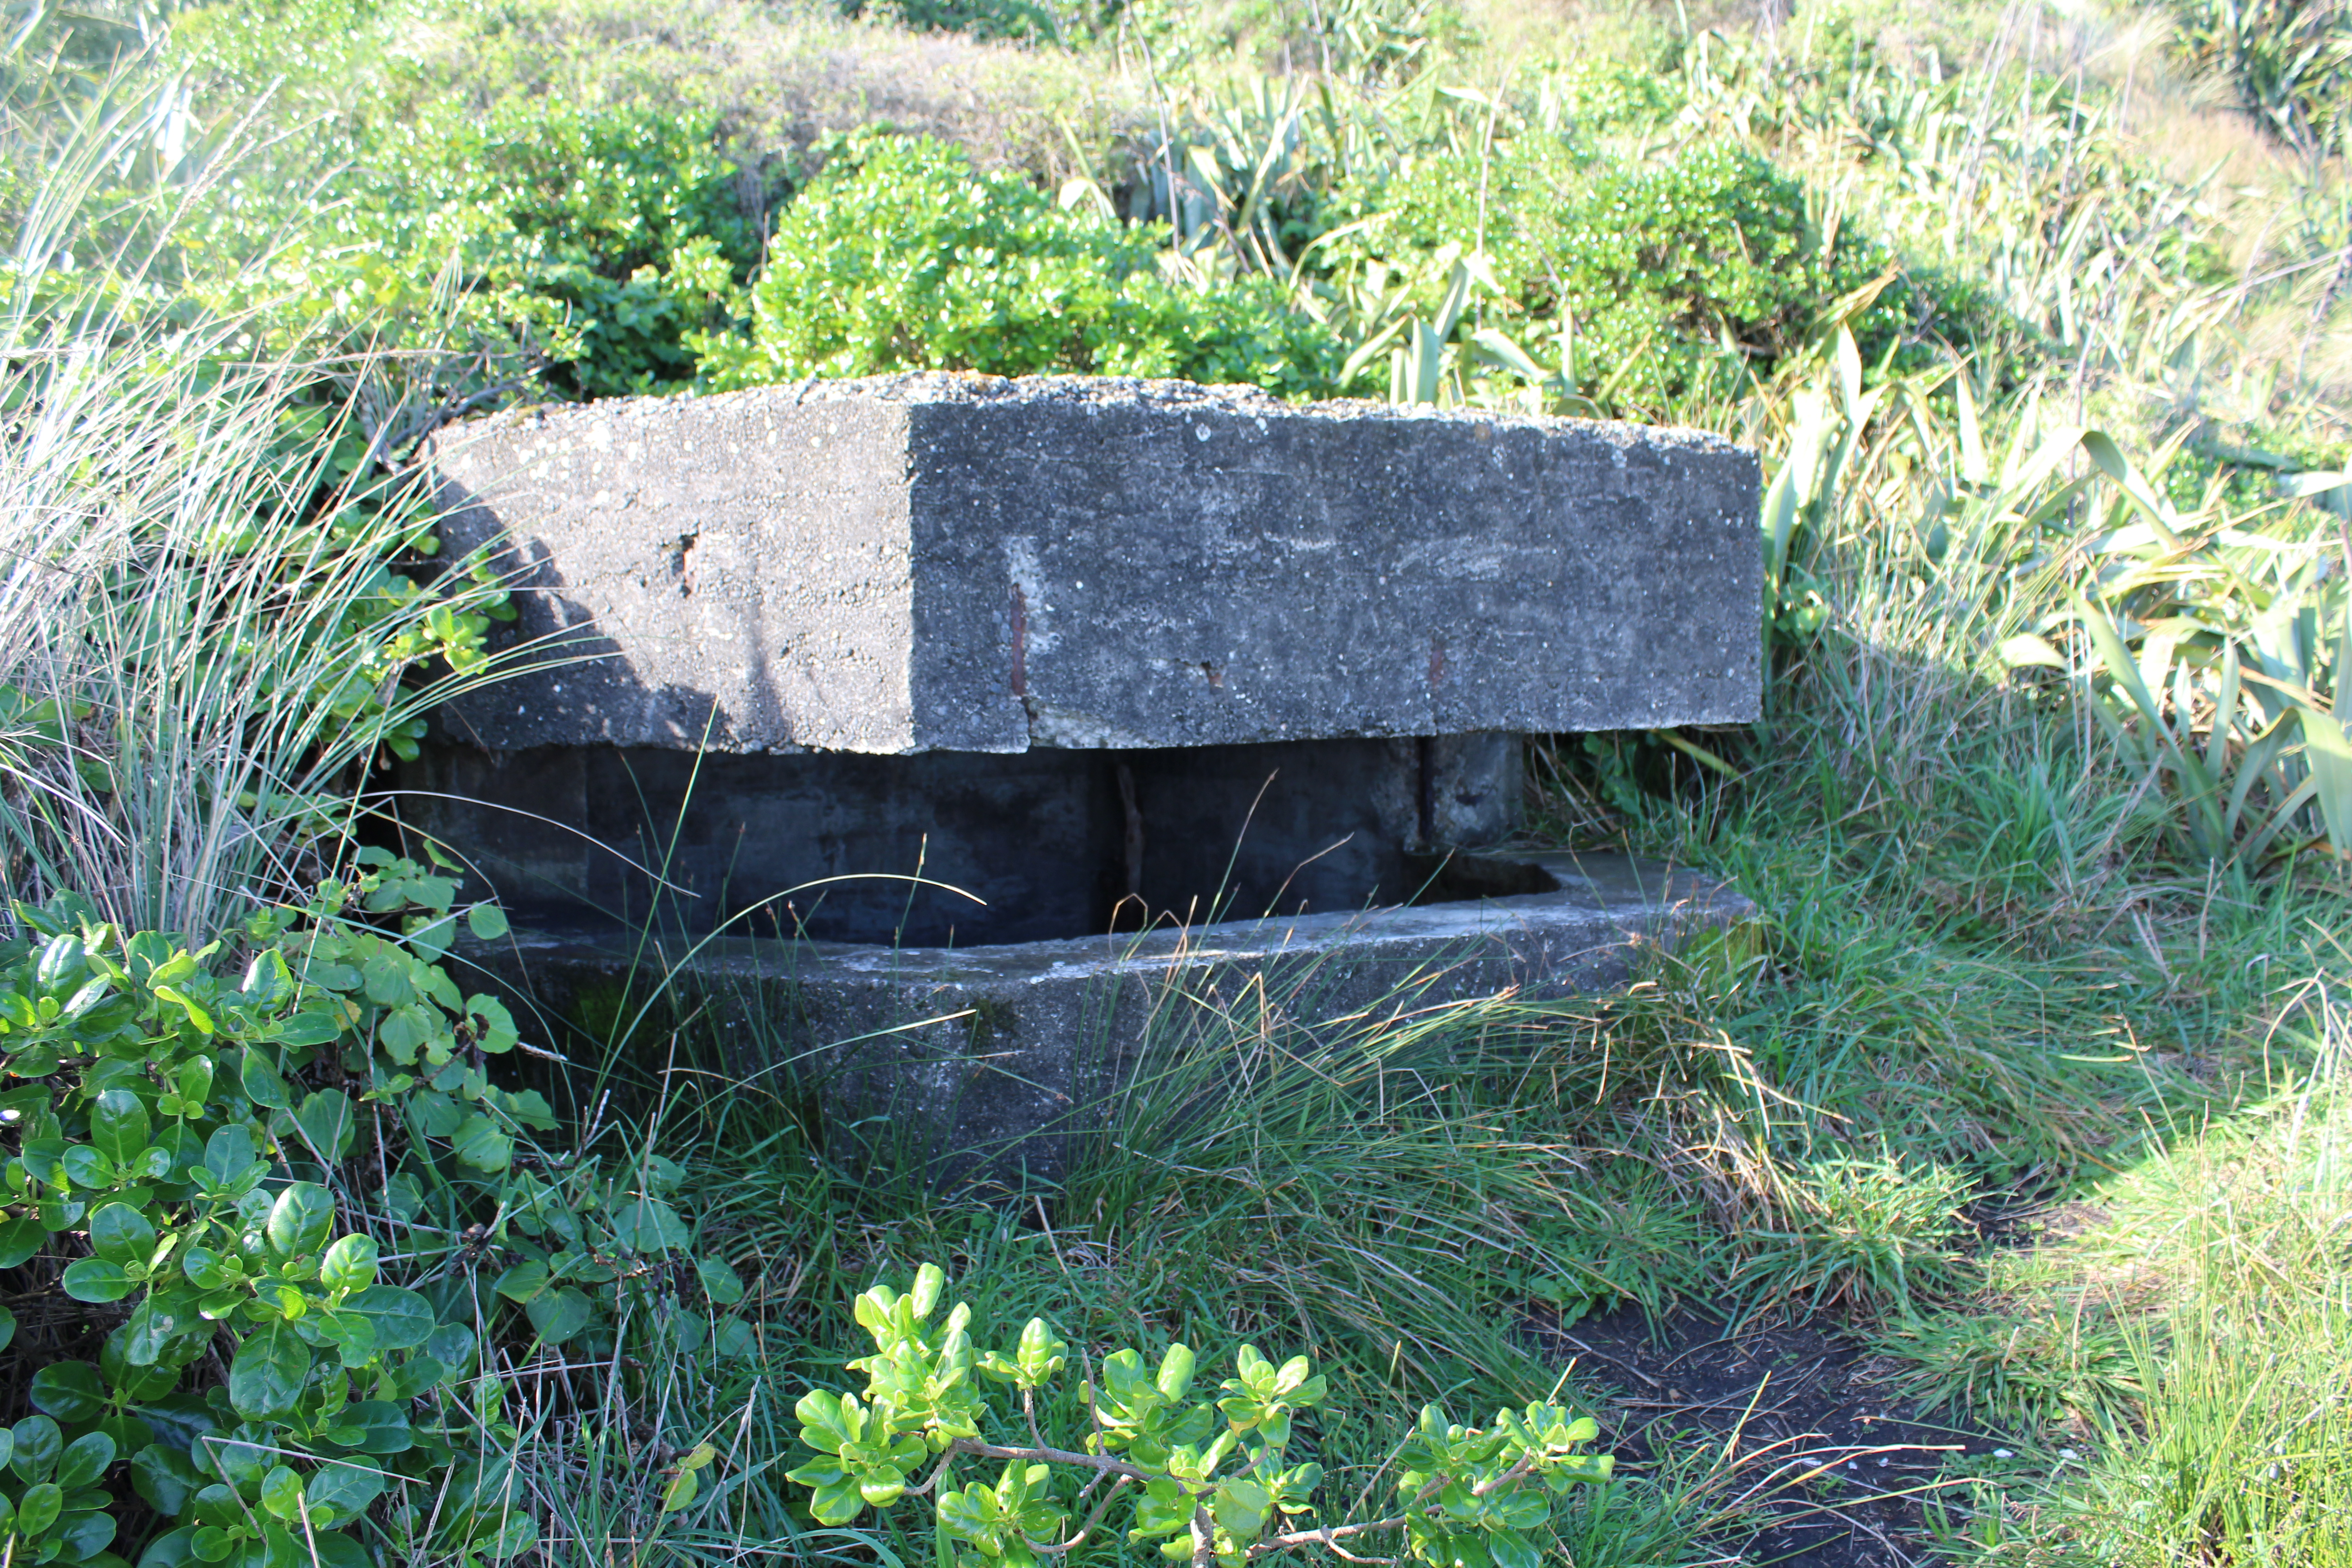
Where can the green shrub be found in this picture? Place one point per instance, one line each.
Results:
(1653, 282)
(902, 256)
(1019, 19)
(1652, 272)
(613, 232)
(178, 1126)
(581, 245)
(1463, 1496)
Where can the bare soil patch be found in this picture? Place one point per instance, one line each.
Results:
(1835, 1458)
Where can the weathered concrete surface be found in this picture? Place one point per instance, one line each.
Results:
(1012, 849)
(1003, 1061)
(968, 564)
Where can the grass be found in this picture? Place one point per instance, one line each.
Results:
(2210, 1289)
(2025, 1366)
(2009, 1081)
(202, 643)
(1789, 1131)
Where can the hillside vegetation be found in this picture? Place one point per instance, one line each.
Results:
(2032, 1079)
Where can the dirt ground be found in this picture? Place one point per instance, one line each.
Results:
(1794, 1406)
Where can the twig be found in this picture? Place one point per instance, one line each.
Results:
(1057, 1455)
(936, 1472)
(1086, 1529)
(1324, 1535)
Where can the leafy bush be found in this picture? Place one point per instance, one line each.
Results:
(159, 1157)
(1019, 19)
(581, 245)
(1465, 1495)
(903, 256)
(1649, 274)
(174, 1201)
(240, 1157)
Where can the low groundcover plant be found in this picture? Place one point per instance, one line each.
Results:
(1466, 1497)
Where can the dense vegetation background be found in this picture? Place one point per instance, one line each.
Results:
(2042, 320)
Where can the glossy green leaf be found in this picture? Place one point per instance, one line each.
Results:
(86, 1458)
(165, 1478)
(829, 1422)
(20, 1239)
(204, 1268)
(350, 1335)
(282, 1492)
(1509, 1549)
(403, 1320)
(37, 1509)
(120, 1234)
(335, 1549)
(301, 1219)
(260, 1079)
(34, 1446)
(164, 1320)
(1175, 1373)
(97, 1280)
(119, 1125)
(173, 1548)
(190, 1008)
(344, 1492)
(62, 963)
(70, 1391)
(229, 1153)
(374, 1426)
(349, 1264)
(267, 1377)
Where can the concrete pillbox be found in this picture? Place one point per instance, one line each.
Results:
(1168, 692)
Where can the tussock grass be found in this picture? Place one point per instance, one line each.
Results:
(201, 639)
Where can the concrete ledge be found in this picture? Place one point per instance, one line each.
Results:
(998, 1061)
(970, 564)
